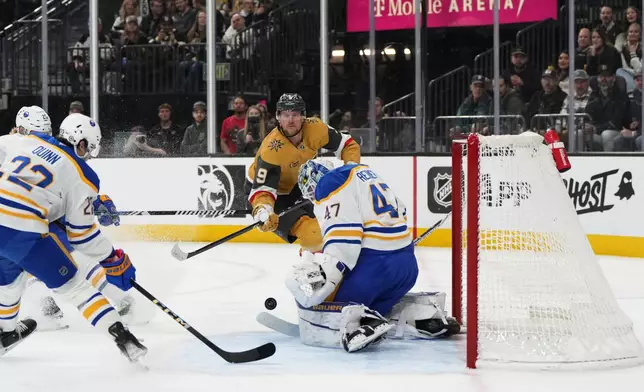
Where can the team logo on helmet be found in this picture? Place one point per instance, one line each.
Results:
(25, 114)
(92, 123)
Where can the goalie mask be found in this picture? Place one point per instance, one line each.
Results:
(310, 174)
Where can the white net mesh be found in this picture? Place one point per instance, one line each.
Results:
(542, 296)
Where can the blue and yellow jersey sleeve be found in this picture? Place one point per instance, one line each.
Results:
(338, 211)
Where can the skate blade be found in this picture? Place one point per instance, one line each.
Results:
(53, 328)
(5, 350)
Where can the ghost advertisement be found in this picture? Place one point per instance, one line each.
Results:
(600, 192)
(221, 188)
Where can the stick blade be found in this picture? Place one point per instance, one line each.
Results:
(256, 354)
(178, 254)
(278, 325)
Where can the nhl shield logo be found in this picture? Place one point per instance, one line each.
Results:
(439, 189)
(443, 189)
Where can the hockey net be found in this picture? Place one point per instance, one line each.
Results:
(531, 290)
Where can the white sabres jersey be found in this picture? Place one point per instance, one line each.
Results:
(357, 210)
(43, 180)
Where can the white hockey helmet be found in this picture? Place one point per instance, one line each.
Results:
(310, 174)
(33, 119)
(77, 127)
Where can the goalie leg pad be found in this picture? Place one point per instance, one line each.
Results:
(341, 325)
(321, 325)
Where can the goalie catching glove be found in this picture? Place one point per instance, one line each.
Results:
(264, 213)
(315, 278)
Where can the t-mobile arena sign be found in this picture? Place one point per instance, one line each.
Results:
(400, 14)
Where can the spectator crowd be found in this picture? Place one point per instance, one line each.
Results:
(607, 83)
(240, 134)
(162, 44)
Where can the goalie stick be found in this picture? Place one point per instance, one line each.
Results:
(289, 329)
(255, 354)
(431, 229)
(180, 255)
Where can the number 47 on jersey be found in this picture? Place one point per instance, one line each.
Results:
(382, 200)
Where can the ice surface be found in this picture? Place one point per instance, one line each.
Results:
(221, 291)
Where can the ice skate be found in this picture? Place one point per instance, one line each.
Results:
(10, 339)
(371, 331)
(127, 342)
(438, 328)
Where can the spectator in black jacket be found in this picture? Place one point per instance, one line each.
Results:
(607, 110)
(608, 27)
(166, 135)
(601, 53)
(195, 139)
(511, 104)
(184, 18)
(523, 77)
(547, 101)
(477, 104)
(630, 138)
(583, 47)
(151, 23)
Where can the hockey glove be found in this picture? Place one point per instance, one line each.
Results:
(264, 213)
(106, 211)
(315, 278)
(119, 270)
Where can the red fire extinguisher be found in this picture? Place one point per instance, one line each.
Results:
(559, 153)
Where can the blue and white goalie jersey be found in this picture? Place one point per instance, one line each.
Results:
(43, 180)
(357, 210)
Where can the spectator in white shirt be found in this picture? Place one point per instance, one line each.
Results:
(237, 38)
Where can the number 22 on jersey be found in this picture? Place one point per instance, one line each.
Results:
(23, 162)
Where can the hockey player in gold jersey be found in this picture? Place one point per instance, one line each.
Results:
(272, 178)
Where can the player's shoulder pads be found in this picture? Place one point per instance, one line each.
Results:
(334, 181)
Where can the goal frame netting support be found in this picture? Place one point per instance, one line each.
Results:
(467, 260)
(471, 352)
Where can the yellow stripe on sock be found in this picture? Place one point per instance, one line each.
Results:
(11, 310)
(87, 313)
(98, 277)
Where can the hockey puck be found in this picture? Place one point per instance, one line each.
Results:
(270, 303)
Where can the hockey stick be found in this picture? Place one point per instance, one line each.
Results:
(278, 325)
(180, 255)
(200, 214)
(251, 355)
(431, 229)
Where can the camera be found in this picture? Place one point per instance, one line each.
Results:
(253, 127)
(141, 138)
